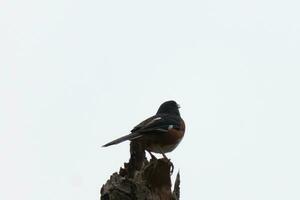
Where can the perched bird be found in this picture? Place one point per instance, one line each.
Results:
(160, 133)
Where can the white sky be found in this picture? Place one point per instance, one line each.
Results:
(77, 74)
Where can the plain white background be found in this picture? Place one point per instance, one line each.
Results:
(77, 74)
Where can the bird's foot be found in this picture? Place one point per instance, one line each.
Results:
(169, 162)
(171, 167)
(152, 156)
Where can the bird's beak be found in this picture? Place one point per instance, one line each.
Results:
(178, 105)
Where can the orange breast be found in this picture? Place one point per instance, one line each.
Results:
(173, 136)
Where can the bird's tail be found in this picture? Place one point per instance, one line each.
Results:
(131, 136)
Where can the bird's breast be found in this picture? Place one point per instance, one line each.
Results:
(166, 142)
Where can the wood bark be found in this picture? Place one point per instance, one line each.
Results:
(141, 179)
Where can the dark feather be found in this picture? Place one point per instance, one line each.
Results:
(124, 138)
(157, 124)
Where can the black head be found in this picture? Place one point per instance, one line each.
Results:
(169, 107)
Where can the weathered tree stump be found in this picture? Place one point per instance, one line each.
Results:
(141, 179)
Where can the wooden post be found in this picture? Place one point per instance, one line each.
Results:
(141, 179)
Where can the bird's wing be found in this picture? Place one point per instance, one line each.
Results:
(157, 124)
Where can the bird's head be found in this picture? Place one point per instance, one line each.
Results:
(169, 107)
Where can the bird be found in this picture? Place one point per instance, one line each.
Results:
(160, 133)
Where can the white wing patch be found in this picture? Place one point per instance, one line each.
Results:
(153, 120)
(170, 127)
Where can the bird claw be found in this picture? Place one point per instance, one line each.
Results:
(152, 156)
(171, 167)
(170, 163)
